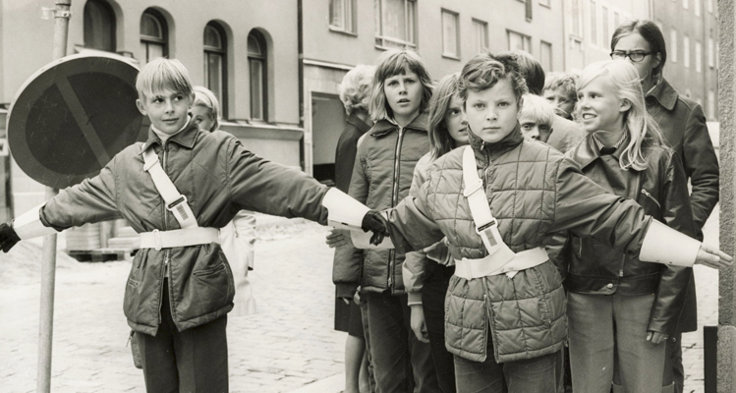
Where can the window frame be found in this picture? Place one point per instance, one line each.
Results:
(383, 41)
(221, 51)
(102, 28)
(485, 40)
(262, 59)
(349, 18)
(526, 39)
(456, 18)
(148, 40)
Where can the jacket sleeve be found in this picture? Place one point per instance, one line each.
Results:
(588, 210)
(701, 166)
(347, 266)
(264, 186)
(411, 224)
(676, 213)
(92, 200)
(415, 265)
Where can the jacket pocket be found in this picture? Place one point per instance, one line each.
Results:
(210, 289)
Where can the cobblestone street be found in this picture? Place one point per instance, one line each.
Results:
(289, 345)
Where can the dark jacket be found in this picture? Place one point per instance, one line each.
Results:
(661, 189)
(534, 192)
(683, 126)
(382, 176)
(347, 147)
(219, 178)
(565, 134)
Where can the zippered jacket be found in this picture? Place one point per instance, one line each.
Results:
(219, 177)
(534, 192)
(382, 176)
(661, 189)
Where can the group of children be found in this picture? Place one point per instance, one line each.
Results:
(557, 262)
(466, 293)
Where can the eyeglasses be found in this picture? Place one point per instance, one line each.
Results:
(635, 56)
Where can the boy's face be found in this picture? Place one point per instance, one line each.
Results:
(167, 109)
(403, 94)
(563, 102)
(533, 129)
(493, 112)
(202, 117)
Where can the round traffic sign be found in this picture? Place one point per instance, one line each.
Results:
(72, 116)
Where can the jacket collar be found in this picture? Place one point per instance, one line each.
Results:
(386, 126)
(184, 138)
(486, 152)
(590, 150)
(665, 94)
(357, 123)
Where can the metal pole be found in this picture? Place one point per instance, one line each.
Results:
(48, 267)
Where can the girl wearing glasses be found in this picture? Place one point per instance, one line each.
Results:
(682, 123)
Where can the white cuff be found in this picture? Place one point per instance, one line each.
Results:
(665, 245)
(28, 225)
(342, 210)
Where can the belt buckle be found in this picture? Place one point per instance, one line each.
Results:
(171, 206)
(486, 234)
(157, 243)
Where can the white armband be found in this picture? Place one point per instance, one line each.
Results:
(665, 245)
(28, 225)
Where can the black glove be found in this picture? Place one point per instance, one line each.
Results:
(8, 237)
(373, 221)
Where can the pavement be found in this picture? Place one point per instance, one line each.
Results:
(289, 345)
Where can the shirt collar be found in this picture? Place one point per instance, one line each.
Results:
(184, 137)
(664, 94)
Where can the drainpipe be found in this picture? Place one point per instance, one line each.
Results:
(300, 75)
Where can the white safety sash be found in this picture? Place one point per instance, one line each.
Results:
(175, 202)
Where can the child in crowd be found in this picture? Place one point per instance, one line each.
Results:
(427, 273)
(618, 306)
(499, 201)
(382, 176)
(237, 237)
(559, 90)
(535, 117)
(355, 93)
(176, 189)
(683, 127)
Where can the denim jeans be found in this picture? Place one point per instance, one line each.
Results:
(542, 374)
(602, 324)
(401, 363)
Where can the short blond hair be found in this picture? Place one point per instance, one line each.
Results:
(205, 98)
(537, 108)
(355, 88)
(161, 74)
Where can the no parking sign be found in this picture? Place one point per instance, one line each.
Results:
(72, 116)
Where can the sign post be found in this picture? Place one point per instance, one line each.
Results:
(48, 261)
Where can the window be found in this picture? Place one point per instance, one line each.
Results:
(577, 18)
(712, 105)
(215, 53)
(593, 23)
(696, 5)
(257, 66)
(711, 53)
(545, 3)
(154, 35)
(686, 51)
(480, 34)
(698, 57)
(342, 16)
(673, 46)
(605, 26)
(99, 26)
(450, 35)
(519, 41)
(396, 23)
(528, 10)
(545, 55)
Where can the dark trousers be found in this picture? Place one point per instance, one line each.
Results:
(192, 361)
(433, 303)
(401, 363)
(542, 374)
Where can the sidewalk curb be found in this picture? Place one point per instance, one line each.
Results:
(335, 383)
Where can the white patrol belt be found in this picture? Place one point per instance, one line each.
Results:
(175, 202)
(485, 225)
(179, 237)
(491, 265)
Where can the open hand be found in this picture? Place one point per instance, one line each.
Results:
(418, 324)
(713, 257)
(338, 238)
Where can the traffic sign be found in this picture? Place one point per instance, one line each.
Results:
(72, 116)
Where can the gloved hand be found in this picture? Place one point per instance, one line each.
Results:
(8, 237)
(373, 221)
